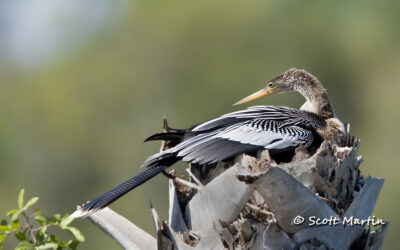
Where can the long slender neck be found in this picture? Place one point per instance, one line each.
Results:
(316, 96)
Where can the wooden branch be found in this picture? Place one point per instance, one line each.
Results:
(342, 236)
(222, 199)
(124, 232)
(252, 202)
(175, 216)
(287, 198)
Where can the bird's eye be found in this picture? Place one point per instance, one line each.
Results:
(271, 85)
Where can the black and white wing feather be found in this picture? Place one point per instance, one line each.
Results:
(252, 129)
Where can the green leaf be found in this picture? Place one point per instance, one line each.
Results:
(24, 245)
(20, 236)
(2, 237)
(41, 219)
(63, 244)
(4, 222)
(55, 219)
(21, 198)
(14, 214)
(37, 211)
(5, 229)
(30, 203)
(48, 245)
(53, 238)
(76, 233)
(15, 225)
(66, 220)
(73, 244)
(41, 235)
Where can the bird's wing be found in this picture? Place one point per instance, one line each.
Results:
(259, 127)
(291, 116)
(270, 134)
(243, 137)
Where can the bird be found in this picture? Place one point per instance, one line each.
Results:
(274, 128)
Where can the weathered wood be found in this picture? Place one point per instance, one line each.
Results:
(221, 199)
(375, 239)
(251, 203)
(342, 236)
(272, 238)
(124, 232)
(175, 217)
(287, 198)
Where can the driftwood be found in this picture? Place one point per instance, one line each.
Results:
(252, 202)
(122, 230)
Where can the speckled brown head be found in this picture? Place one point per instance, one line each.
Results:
(291, 80)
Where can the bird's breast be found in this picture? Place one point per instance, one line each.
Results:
(333, 131)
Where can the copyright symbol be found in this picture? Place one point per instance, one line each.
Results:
(298, 220)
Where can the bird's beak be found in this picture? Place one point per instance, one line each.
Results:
(258, 94)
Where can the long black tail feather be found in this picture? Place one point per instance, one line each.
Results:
(109, 197)
(167, 136)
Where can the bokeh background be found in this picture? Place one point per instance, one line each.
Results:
(83, 83)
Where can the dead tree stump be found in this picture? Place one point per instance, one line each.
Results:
(317, 201)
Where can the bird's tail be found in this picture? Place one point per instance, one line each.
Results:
(108, 197)
(167, 136)
(172, 136)
(155, 164)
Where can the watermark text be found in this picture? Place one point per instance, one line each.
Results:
(334, 221)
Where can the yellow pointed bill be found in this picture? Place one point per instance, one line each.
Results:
(254, 96)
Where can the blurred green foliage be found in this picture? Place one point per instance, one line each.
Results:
(31, 229)
(73, 129)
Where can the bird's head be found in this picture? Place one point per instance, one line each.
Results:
(290, 80)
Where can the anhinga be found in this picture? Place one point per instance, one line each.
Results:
(275, 128)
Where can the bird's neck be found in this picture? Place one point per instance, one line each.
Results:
(316, 100)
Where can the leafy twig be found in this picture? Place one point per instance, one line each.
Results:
(33, 234)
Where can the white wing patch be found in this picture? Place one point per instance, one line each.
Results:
(248, 134)
(290, 116)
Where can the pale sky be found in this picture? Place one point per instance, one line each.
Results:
(32, 33)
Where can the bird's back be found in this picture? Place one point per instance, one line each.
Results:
(259, 127)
